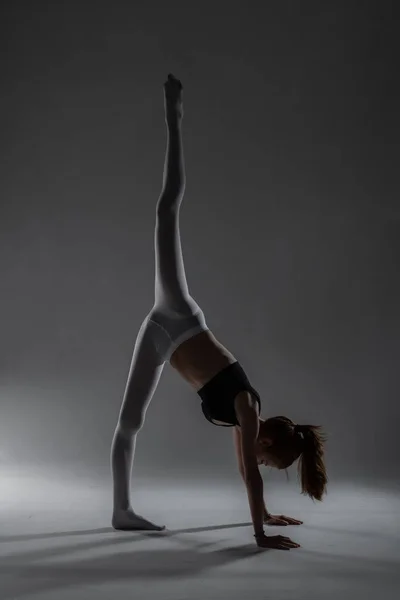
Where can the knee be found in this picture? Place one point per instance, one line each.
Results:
(167, 209)
(129, 425)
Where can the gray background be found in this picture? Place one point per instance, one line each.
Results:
(290, 222)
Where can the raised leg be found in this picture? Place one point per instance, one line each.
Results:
(144, 375)
(171, 289)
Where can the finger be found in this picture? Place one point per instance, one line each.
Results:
(294, 522)
(280, 546)
(288, 545)
(291, 542)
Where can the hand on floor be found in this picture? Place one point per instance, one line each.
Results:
(280, 520)
(278, 542)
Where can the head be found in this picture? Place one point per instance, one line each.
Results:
(281, 442)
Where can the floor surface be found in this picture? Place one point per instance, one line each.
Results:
(56, 542)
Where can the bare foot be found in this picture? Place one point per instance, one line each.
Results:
(173, 98)
(127, 520)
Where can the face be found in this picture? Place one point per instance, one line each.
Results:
(263, 455)
(264, 459)
(268, 461)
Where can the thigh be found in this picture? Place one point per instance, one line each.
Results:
(144, 374)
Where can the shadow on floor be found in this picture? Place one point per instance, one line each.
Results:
(35, 572)
(28, 572)
(44, 536)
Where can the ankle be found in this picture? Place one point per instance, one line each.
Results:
(121, 507)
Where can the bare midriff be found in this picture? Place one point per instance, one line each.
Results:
(200, 358)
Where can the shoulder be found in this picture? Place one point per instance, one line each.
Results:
(246, 408)
(245, 402)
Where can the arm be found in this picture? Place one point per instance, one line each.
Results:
(237, 442)
(249, 425)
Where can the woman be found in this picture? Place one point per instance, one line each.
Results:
(175, 331)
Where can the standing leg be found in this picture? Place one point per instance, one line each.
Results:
(144, 375)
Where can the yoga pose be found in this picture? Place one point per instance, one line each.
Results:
(175, 331)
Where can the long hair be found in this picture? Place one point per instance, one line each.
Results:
(304, 442)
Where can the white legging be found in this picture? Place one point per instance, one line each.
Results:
(174, 318)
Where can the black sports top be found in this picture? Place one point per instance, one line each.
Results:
(219, 393)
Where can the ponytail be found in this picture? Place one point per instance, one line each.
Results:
(311, 466)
